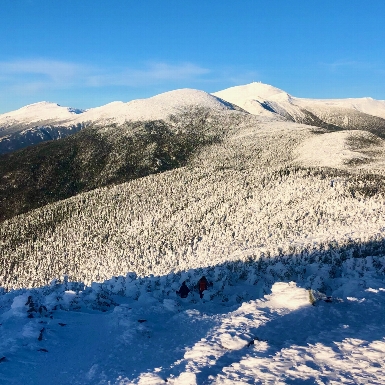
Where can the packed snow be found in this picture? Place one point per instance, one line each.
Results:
(138, 331)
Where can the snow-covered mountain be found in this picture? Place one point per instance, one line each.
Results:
(36, 123)
(155, 108)
(46, 121)
(286, 220)
(251, 97)
(36, 114)
(263, 99)
(250, 193)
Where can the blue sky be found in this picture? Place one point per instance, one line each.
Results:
(83, 53)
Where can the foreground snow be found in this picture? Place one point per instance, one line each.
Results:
(235, 335)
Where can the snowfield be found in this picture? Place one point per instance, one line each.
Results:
(343, 148)
(285, 219)
(136, 331)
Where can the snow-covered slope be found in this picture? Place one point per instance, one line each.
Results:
(365, 105)
(157, 107)
(343, 149)
(276, 214)
(244, 196)
(42, 113)
(137, 331)
(34, 124)
(46, 121)
(259, 98)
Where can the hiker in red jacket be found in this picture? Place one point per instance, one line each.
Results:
(202, 285)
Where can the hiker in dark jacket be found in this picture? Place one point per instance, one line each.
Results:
(183, 291)
(203, 284)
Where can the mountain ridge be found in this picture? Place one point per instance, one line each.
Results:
(44, 121)
(48, 121)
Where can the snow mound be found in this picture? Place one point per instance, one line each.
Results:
(37, 112)
(157, 107)
(287, 296)
(342, 149)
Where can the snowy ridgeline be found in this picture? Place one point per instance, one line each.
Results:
(243, 199)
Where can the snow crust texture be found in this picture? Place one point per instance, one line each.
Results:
(129, 330)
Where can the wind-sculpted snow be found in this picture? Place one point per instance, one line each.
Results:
(254, 323)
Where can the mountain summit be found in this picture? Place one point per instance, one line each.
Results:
(37, 113)
(264, 99)
(44, 121)
(155, 108)
(332, 114)
(256, 90)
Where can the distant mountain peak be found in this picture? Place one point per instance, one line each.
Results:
(39, 111)
(255, 90)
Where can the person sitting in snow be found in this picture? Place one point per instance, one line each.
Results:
(203, 284)
(183, 291)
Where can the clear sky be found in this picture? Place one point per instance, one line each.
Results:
(83, 53)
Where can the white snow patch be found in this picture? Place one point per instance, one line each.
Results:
(334, 150)
(287, 296)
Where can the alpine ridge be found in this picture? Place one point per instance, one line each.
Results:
(46, 121)
(277, 201)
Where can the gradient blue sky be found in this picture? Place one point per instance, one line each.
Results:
(83, 53)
